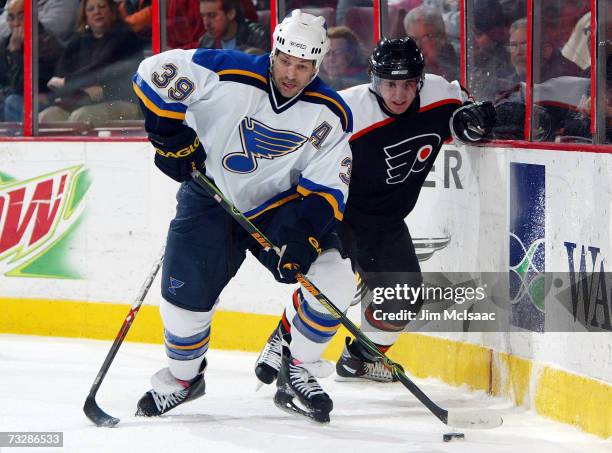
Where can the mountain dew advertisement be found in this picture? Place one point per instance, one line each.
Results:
(38, 220)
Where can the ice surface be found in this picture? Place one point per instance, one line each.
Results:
(44, 382)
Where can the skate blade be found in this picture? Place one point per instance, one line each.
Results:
(285, 403)
(140, 412)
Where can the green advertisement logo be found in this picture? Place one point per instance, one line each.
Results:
(38, 221)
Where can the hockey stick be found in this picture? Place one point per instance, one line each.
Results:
(458, 419)
(91, 408)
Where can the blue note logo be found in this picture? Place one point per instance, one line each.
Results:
(174, 285)
(261, 142)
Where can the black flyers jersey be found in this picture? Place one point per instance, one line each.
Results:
(392, 154)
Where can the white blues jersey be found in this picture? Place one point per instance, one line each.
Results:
(259, 153)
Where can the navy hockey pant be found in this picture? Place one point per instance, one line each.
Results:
(206, 246)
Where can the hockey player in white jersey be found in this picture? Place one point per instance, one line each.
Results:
(274, 139)
(401, 120)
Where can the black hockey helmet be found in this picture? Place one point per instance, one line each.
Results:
(397, 59)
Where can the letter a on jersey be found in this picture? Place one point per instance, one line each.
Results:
(261, 142)
(409, 156)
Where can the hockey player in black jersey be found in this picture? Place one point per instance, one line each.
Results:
(401, 120)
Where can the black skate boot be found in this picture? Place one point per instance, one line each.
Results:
(356, 364)
(294, 379)
(269, 361)
(168, 392)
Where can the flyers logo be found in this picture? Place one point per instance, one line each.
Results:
(409, 156)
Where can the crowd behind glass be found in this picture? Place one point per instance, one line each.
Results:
(87, 51)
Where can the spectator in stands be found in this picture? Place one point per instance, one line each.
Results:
(578, 123)
(344, 5)
(343, 65)
(181, 14)
(226, 28)
(426, 26)
(57, 16)
(513, 9)
(248, 10)
(578, 47)
(565, 15)
(552, 63)
(92, 78)
(137, 14)
(451, 13)
(184, 26)
(489, 63)
(517, 48)
(557, 88)
(11, 63)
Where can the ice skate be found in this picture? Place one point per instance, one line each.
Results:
(269, 361)
(353, 366)
(295, 380)
(169, 392)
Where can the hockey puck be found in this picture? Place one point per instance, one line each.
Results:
(452, 436)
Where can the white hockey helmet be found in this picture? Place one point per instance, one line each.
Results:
(302, 35)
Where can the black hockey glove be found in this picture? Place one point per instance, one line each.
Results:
(473, 123)
(179, 155)
(296, 254)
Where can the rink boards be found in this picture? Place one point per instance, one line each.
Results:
(81, 224)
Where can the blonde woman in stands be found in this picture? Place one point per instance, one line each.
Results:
(91, 82)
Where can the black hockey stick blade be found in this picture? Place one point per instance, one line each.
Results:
(97, 415)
